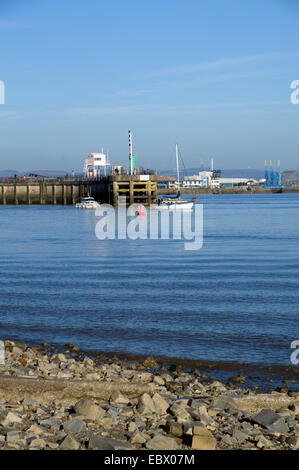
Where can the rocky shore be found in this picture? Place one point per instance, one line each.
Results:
(69, 401)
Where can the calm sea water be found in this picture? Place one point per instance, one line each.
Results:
(235, 300)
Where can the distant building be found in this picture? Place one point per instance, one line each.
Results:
(166, 182)
(290, 177)
(231, 182)
(204, 179)
(212, 179)
(96, 164)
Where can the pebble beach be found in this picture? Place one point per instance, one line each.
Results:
(69, 401)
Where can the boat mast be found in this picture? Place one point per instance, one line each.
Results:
(177, 165)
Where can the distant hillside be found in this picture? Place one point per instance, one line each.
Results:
(9, 173)
(47, 173)
(238, 173)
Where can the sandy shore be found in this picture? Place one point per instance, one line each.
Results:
(68, 400)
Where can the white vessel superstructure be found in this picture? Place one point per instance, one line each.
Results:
(87, 202)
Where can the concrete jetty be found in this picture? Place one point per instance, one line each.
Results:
(136, 188)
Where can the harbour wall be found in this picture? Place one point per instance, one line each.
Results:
(235, 190)
(136, 189)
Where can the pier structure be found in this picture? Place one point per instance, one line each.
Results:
(136, 188)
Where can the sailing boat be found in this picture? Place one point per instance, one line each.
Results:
(175, 202)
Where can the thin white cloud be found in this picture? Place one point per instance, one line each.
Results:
(166, 110)
(11, 24)
(212, 65)
(9, 115)
(219, 64)
(86, 112)
(226, 77)
(127, 94)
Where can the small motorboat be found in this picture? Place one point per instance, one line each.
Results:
(87, 203)
(175, 204)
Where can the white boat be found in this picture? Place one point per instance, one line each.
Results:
(175, 202)
(87, 203)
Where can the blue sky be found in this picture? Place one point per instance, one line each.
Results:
(213, 76)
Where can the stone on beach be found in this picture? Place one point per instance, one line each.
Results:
(271, 420)
(161, 442)
(74, 426)
(150, 363)
(69, 443)
(88, 409)
(30, 404)
(118, 398)
(8, 418)
(203, 440)
(37, 443)
(146, 405)
(137, 437)
(180, 411)
(175, 428)
(160, 403)
(99, 443)
(12, 436)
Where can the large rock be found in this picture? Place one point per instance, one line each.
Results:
(161, 442)
(180, 411)
(271, 420)
(263, 442)
(174, 428)
(37, 443)
(146, 405)
(137, 437)
(240, 436)
(29, 404)
(100, 443)
(12, 436)
(203, 439)
(158, 380)
(293, 441)
(224, 404)
(58, 358)
(36, 429)
(89, 410)
(9, 418)
(74, 426)
(201, 415)
(118, 398)
(150, 363)
(160, 403)
(69, 443)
